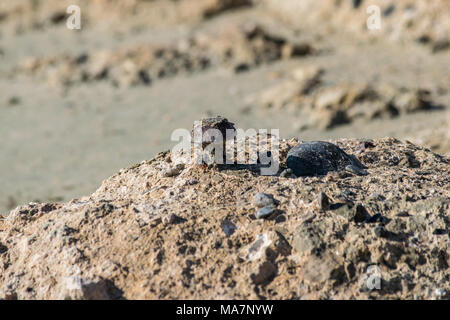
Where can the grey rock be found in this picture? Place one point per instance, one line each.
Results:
(355, 213)
(319, 158)
(354, 169)
(265, 212)
(324, 201)
(228, 227)
(258, 247)
(306, 239)
(320, 269)
(417, 224)
(288, 173)
(174, 171)
(262, 199)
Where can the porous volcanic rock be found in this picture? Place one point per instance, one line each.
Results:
(319, 158)
(194, 235)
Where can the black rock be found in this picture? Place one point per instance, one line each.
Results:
(437, 232)
(319, 158)
(378, 218)
(361, 213)
(218, 123)
(381, 232)
(356, 3)
(375, 218)
(324, 201)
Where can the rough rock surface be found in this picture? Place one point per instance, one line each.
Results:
(144, 235)
(319, 158)
(327, 106)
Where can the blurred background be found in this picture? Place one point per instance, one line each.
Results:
(78, 105)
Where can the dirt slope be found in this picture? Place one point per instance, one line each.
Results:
(143, 235)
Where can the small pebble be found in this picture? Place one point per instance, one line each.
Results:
(356, 3)
(364, 146)
(13, 101)
(375, 218)
(410, 162)
(403, 214)
(324, 201)
(439, 231)
(173, 171)
(361, 213)
(263, 199)
(3, 248)
(169, 219)
(381, 232)
(440, 292)
(288, 173)
(228, 227)
(265, 212)
(354, 169)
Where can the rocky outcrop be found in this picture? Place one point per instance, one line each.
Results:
(325, 106)
(237, 47)
(194, 234)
